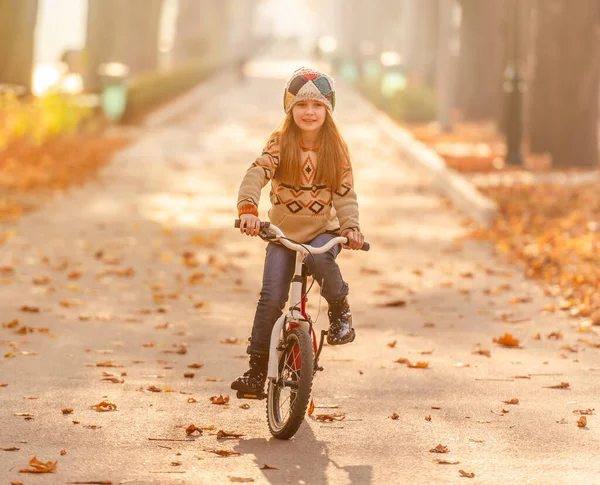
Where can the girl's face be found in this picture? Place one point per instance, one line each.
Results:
(309, 115)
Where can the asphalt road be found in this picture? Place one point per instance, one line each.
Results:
(143, 271)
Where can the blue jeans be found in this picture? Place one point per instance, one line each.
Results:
(278, 271)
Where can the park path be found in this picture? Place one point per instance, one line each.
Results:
(142, 269)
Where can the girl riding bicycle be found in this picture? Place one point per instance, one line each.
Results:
(313, 200)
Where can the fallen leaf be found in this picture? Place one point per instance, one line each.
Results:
(67, 411)
(537, 336)
(224, 452)
(240, 479)
(487, 353)
(191, 400)
(562, 385)
(330, 417)
(582, 423)
(393, 304)
(554, 335)
(30, 309)
(189, 375)
(395, 416)
(428, 418)
(38, 466)
(507, 340)
(92, 482)
(466, 474)
(108, 363)
(392, 344)
(447, 462)
(439, 449)
(514, 400)
(429, 325)
(104, 406)
(233, 341)
(114, 380)
(245, 406)
(418, 365)
(191, 429)
(219, 399)
(195, 366)
(63, 452)
(226, 434)
(584, 411)
(10, 449)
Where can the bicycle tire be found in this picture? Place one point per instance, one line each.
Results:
(285, 428)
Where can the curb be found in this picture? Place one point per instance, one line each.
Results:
(450, 183)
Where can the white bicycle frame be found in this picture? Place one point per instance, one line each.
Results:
(293, 314)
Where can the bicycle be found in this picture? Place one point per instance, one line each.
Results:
(293, 351)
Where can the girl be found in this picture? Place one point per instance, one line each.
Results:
(313, 201)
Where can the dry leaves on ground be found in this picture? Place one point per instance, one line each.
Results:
(507, 340)
(553, 230)
(191, 429)
(439, 449)
(562, 385)
(38, 466)
(104, 406)
(224, 452)
(417, 365)
(330, 417)
(466, 474)
(582, 422)
(219, 399)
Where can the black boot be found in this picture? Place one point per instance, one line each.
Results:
(253, 380)
(340, 323)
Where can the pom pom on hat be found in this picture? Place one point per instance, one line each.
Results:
(307, 84)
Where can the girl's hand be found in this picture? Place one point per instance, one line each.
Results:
(355, 240)
(249, 225)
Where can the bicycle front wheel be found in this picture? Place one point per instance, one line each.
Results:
(287, 398)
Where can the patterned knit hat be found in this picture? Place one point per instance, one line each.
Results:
(306, 84)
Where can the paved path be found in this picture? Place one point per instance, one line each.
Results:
(143, 270)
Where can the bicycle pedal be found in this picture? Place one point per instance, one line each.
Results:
(247, 395)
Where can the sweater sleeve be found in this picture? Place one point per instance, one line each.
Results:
(345, 202)
(257, 176)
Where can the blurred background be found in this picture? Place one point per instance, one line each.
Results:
(489, 84)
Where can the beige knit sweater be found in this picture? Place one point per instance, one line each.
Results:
(304, 212)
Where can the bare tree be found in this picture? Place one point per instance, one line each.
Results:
(481, 59)
(17, 24)
(564, 92)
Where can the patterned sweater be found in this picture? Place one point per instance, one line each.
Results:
(304, 212)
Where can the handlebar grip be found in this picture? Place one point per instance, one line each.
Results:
(365, 247)
(263, 225)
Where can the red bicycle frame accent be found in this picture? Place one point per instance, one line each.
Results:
(295, 361)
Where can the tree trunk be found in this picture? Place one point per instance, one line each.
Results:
(119, 31)
(17, 24)
(564, 92)
(202, 29)
(419, 39)
(481, 59)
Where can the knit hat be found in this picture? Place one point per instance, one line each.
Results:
(306, 84)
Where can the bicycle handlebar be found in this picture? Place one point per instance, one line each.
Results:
(268, 226)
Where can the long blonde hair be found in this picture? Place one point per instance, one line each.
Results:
(334, 156)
